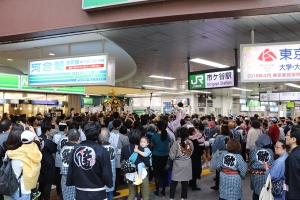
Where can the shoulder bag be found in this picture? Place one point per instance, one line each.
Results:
(126, 165)
(266, 191)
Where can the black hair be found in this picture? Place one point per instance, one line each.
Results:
(92, 131)
(180, 104)
(256, 116)
(58, 120)
(144, 121)
(83, 125)
(295, 132)
(72, 109)
(62, 116)
(123, 130)
(79, 119)
(116, 115)
(162, 127)
(136, 125)
(255, 124)
(201, 127)
(23, 120)
(146, 138)
(5, 124)
(62, 127)
(238, 122)
(116, 123)
(284, 145)
(73, 125)
(265, 124)
(135, 137)
(46, 126)
(184, 134)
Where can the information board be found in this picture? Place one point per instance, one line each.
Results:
(270, 62)
(83, 70)
(280, 96)
(210, 79)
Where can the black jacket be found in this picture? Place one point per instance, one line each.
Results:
(89, 166)
(292, 175)
(127, 150)
(47, 173)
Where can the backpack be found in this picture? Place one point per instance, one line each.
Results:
(8, 181)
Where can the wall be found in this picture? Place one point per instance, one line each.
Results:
(74, 101)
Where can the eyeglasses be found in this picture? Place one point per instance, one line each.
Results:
(288, 135)
(276, 147)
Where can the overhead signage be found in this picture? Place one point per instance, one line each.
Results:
(44, 102)
(92, 4)
(25, 86)
(88, 101)
(9, 82)
(280, 96)
(25, 101)
(75, 71)
(14, 101)
(210, 79)
(290, 104)
(269, 62)
(145, 102)
(253, 103)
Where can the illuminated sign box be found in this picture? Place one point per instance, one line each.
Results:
(44, 102)
(93, 4)
(270, 62)
(210, 79)
(76, 71)
(280, 96)
(290, 104)
(253, 103)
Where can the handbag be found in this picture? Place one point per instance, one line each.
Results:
(214, 161)
(266, 191)
(277, 188)
(169, 165)
(206, 143)
(127, 166)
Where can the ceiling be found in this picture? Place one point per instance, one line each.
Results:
(162, 49)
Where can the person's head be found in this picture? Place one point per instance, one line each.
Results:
(13, 140)
(255, 124)
(265, 125)
(293, 136)
(231, 125)
(116, 124)
(144, 142)
(180, 104)
(263, 141)
(74, 136)
(116, 115)
(233, 145)
(5, 125)
(192, 131)
(94, 118)
(201, 127)
(238, 122)
(152, 128)
(184, 134)
(187, 119)
(79, 120)
(32, 120)
(62, 127)
(196, 123)
(72, 110)
(211, 124)
(105, 135)
(73, 125)
(161, 126)
(281, 147)
(123, 130)
(27, 137)
(46, 128)
(256, 116)
(144, 121)
(225, 130)
(135, 137)
(273, 120)
(92, 131)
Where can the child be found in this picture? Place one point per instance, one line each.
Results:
(144, 142)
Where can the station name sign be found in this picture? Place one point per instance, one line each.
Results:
(270, 62)
(280, 96)
(211, 79)
(96, 4)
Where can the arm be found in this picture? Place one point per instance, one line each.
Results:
(248, 140)
(173, 151)
(243, 168)
(106, 168)
(140, 152)
(176, 121)
(216, 145)
(70, 180)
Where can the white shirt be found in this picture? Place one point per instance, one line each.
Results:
(17, 167)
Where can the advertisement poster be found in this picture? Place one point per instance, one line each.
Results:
(270, 62)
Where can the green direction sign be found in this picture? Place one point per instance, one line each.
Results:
(88, 101)
(25, 86)
(253, 103)
(197, 81)
(90, 4)
(9, 81)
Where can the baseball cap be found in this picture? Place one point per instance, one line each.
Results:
(274, 120)
(62, 124)
(27, 136)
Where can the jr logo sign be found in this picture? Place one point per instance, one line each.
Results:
(197, 81)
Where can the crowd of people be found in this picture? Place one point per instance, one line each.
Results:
(84, 156)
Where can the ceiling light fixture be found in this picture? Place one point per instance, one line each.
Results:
(9, 59)
(162, 77)
(210, 63)
(236, 88)
(158, 87)
(198, 91)
(187, 81)
(238, 70)
(51, 54)
(293, 85)
(168, 93)
(183, 92)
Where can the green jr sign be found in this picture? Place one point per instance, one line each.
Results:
(92, 4)
(197, 81)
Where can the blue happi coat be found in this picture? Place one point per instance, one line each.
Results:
(231, 184)
(257, 157)
(112, 153)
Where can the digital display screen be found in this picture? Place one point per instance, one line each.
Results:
(290, 104)
(44, 102)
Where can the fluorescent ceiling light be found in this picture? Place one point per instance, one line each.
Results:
(236, 88)
(162, 77)
(168, 93)
(51, 54)
(197, 91)
(9, 59)
(158, 87)
(137, 95)
(293, 85)
(210, 63)
(183, 92)
(238, 70)
(187, 81)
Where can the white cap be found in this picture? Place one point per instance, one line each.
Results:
(27, 137)
(62, 123)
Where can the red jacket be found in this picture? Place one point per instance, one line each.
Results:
(274, 132)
